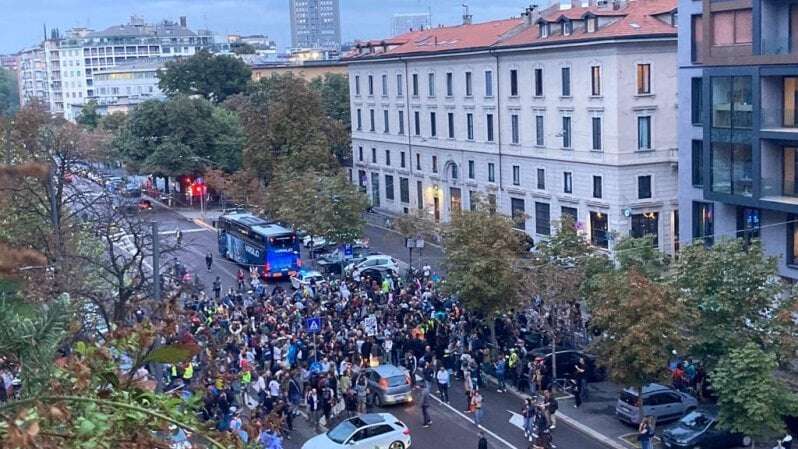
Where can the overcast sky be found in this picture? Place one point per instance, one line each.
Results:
(21, 21)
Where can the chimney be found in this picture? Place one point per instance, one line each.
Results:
(530, 14)
(565, 4)
(183, 22)
(467, 17)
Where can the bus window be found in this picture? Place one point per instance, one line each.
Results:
(282, 242)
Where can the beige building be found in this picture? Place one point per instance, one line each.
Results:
(307, 71)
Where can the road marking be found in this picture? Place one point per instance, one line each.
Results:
(516, 419)
(500, 439)
(208, 227)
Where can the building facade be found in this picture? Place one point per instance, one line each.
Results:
(738, 138)
(308, 70)
(118, 88)
(32, 78)
(569, 111)
(316, 24)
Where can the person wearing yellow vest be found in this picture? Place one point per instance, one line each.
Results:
(246, 377)
(188, 372)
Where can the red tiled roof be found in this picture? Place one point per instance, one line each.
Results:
(635, 18)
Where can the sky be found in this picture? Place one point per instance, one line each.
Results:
(22, 21)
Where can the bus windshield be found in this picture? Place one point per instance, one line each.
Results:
(279, 243)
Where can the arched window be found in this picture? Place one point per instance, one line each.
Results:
(454, 171)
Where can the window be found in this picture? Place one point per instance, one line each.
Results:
(449, 84)
(433, 125)
(514, 83)
(415, 84)
(542, 218)
(359, 120)
(360, 153)
(732, 168)
(732, 27)
(566, 81)
(400, 85)
(385, 125)
(790, 102)
(518, 213)
(357, 84)
(591, 24)
(431, 84)
(417, 124)
(489, 126)
(597, 187)
(749, 222)
(455, 172)
(473, 200)
(451, 124)
(389, 187)
(697, 37)
(516, 175)
(471, 170)
(643, 79)
(401, 122)
(384, 85)
(544, 30)
(455, 200)
(404, 190)
(402, 162)
(468, 86)
(567, 182)
(539, 130)
(388, 158)
(596, 133)
(644, 132)
(566, 27)
(566, 132)
(434, 164)
(538, 82)
(732, 102)
(492, 203)
(371, 118)
(644, 187)
(646, 224)
(491, 172)
(419, 195)
(599, 230)
(696, 100)
(371, 85)
(470, 125)
(516, 138)
(488, 83)
(595, 81)
(703, 222)
(541, 179)
(569, 213)
(373, 155)
(697, 162)
(418, 161)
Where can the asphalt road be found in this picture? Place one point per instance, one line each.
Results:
(451, 428)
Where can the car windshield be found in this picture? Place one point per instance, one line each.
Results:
(397, 381)
(342, 431)
(629, 398)
(695, 421)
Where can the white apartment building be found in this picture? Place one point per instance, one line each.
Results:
(566, 111)
(32, 75)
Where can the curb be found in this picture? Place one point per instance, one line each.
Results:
(200, 222)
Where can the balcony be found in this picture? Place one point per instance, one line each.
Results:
(780, 107)
(779, 27)
(779, 169)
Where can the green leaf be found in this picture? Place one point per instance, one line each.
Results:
(175, 353)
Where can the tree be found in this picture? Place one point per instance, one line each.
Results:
(642, 255)
(642, 322)
(9, 94)
(181, 136)
(88, 116)
(113, 122)
(751, 400)
(737, 298)
(333, 88)
(481, 249)
(213, 77)
(242, 48)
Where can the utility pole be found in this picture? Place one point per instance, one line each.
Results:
(156, 258)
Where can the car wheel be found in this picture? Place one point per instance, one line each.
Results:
(397, 445)
(746, 441)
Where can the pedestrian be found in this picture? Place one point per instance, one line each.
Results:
(476, 405)
(217, 288)
(314, 409)
(425, 394)
(178, 237)
(580, 374)
(645, 432)
(551, 405)
(501, 369)
(528, 412)
(483, 442)
(209, 260)
(442, 376)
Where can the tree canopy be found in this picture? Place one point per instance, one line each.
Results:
(213, 77)
(9, 93)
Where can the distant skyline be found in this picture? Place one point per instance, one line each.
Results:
(22, 22)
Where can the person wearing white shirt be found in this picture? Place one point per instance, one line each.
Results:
(442, 377)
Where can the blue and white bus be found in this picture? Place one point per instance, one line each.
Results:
(250, 240)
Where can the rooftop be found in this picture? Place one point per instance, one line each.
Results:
(619, 19)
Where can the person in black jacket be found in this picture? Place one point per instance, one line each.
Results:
(483, 442)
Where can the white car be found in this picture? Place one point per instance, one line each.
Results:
(303, 279)
(370, 431)
(374, 260)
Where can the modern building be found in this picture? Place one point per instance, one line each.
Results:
(738, 140)
(118, 88)
(402, 23)
(71, 61)
(569, 111)
(32, 76)
(316, 24)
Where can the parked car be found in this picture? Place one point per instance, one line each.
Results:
(304, 278)
(390, 384)
(333, 261)
(567, 359)
(370, 431)
(376, 260)
(700, 429)
(378, 274)
(659, 401)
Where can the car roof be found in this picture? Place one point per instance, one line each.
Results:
(372, 418)
(649, 389)
(313, 273)
(387, 370)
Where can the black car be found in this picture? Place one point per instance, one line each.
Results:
(566, 363)
(333, 262)
(700, 429)
(378, 273)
